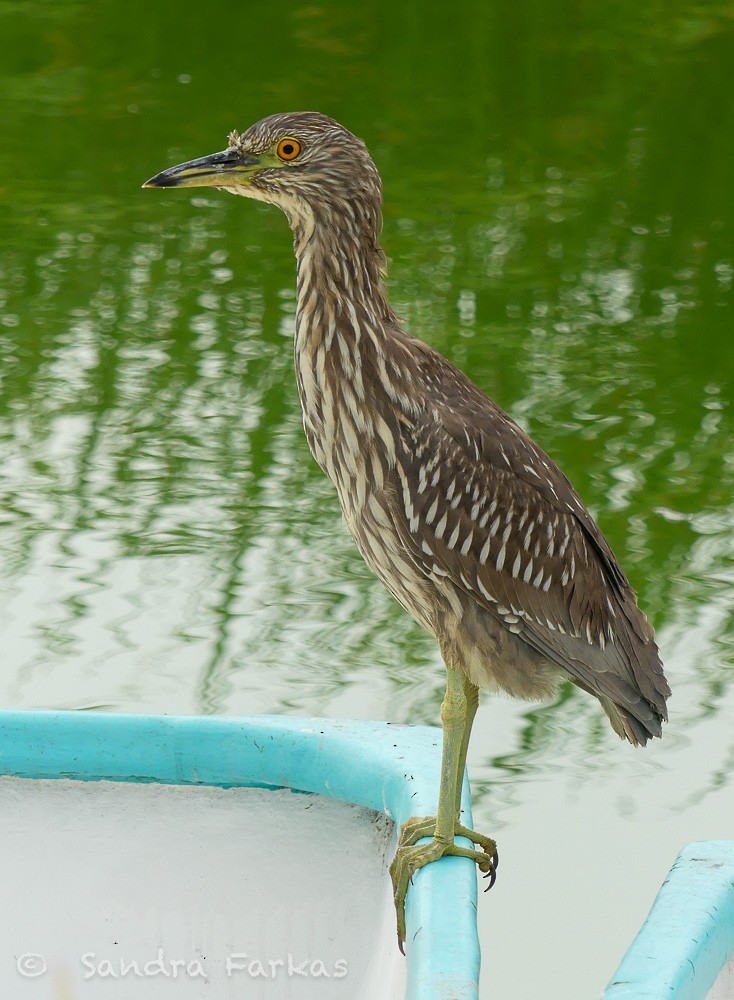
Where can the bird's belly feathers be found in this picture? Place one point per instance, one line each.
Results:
(359, 453)
(383, 552)
(357, 461)
(469, 636)
(492, 657)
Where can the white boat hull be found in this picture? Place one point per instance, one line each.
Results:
(117, 890)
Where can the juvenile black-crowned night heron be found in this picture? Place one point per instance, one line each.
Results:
(466, 521)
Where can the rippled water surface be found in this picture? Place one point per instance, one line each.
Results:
(559, 220)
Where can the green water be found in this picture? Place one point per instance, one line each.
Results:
(560, 223)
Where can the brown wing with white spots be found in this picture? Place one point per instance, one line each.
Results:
(486, 508)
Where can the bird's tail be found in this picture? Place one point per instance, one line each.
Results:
(630, 727)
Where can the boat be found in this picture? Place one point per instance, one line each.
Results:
(685, 948)
(243, 857)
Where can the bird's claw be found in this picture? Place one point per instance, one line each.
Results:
(410, 857)
(492, 876)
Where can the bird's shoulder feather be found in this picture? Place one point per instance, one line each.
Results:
(484, 507)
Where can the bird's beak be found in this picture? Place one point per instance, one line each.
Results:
(229, 168)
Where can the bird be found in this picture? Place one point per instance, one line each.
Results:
(462, 516)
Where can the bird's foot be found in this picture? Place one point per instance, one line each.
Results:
(411, 856)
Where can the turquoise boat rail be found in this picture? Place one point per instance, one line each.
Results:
(391, 769)
(689, 935)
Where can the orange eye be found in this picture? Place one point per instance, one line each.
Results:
(288, 149)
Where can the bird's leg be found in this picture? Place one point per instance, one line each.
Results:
(425, 826)
(458, 709)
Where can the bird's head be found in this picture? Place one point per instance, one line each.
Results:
(308, 165)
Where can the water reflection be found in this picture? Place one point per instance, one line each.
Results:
(168, 528)
(168, 544)
(558, 218)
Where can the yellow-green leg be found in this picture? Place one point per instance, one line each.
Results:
(458, 709)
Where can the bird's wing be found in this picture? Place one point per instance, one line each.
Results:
(486, 507)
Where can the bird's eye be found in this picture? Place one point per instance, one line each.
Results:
(288, 149)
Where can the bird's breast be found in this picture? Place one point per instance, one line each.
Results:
(351, 433)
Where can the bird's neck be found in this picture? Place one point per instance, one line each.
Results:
(342, 310)
(343, 322)
(340, 284)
